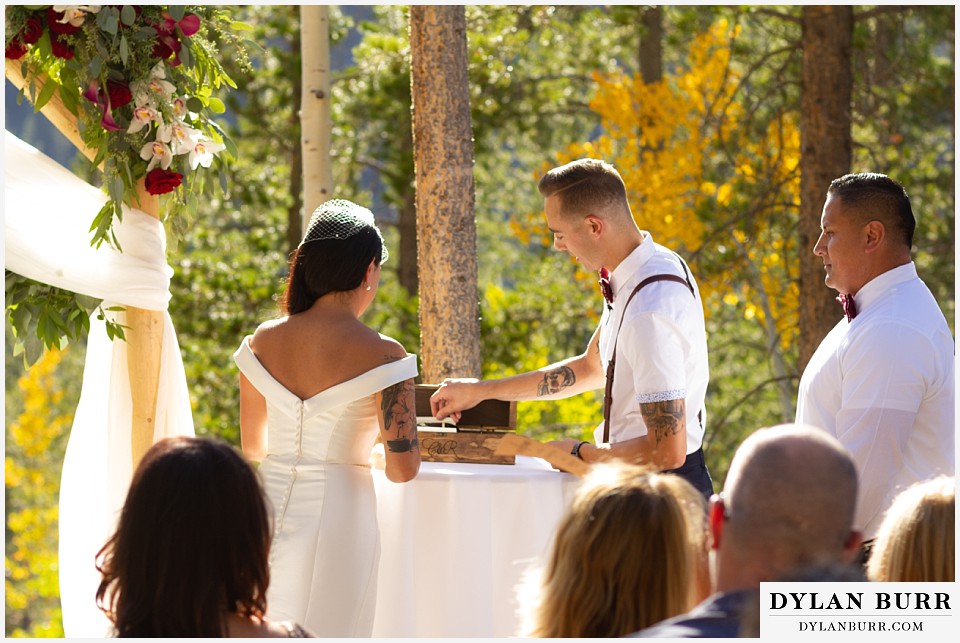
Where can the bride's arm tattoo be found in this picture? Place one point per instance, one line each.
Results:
(556, 380)
(664, 418)
(399, 416)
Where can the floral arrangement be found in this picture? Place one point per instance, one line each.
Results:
(141, 81)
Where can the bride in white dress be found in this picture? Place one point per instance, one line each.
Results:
(316, 388)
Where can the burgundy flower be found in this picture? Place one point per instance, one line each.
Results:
(64, 28)
(31, 31)
(189, 24)
(61, 49)
(95, 94)
(15, 50)
(160, 181)
(119, 93)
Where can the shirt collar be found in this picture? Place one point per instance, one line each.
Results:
(629, 266)
(872, 290)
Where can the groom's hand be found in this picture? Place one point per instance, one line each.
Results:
(454, 395)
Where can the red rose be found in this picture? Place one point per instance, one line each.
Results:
(160, 181)
(31, 31)
(64, 28)
(61, 49)
(15, 50)
(119, 93)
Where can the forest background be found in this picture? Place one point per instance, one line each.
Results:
(698, 107)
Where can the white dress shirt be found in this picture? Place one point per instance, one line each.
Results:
(883, 384)
(662, 348)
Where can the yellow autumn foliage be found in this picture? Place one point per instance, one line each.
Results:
(695, 175)
(32, 512)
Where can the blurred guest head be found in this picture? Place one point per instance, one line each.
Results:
(627, 554)
(916, 538)
(192, 544)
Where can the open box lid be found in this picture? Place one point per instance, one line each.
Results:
(488, 415)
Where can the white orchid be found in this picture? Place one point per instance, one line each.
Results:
(203, 152)
(143, 115)
(156, 152)
(156, 89)
(75, 13)
(180, 108)
(181, 138)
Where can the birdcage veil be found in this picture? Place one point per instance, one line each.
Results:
(341, 219)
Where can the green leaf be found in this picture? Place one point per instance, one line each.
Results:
(44, 46)
(49, 89)
(69, 100)
(236, 25)
(128, 14)
(110, 25)
(231, 147)
(186, 57)
(194, 104)
(216, 105)
(124, 47)
(177, 12)
(95, 65)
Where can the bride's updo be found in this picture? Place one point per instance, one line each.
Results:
(340, 242)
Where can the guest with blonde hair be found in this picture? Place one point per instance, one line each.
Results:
(628, 553)
(916, 538)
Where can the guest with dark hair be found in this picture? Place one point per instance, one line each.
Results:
(916, 541)
(788, 502)
(628, 553)
(317, 387)
(189, 555)
(882, 381)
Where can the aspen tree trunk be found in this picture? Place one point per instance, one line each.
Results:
(443, 153)
(826, 153)
(315, 119)
(295, 211)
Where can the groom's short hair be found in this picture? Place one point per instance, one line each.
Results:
(585, 186)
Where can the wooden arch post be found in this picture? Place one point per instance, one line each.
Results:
(144, 335)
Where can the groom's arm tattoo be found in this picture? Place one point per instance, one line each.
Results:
(663, 419)
(399, 416)
(556, 380)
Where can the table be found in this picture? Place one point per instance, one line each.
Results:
(456, 541)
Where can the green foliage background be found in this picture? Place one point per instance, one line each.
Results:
(530, 72)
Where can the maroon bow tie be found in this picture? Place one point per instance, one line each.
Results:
(849, 306)
(605, 287)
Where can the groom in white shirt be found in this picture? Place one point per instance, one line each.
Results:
(882, 381)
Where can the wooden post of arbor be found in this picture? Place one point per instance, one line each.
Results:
(145, 333)
(144, 337)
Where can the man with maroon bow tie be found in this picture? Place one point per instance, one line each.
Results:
(649, 351)
(882, 381)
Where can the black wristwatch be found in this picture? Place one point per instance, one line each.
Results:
(575, 451)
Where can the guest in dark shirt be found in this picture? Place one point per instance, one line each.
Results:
(788, 502)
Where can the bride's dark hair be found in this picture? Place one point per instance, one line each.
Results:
(329, 265)
(192, 543)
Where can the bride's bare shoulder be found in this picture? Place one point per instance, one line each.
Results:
(392, 349)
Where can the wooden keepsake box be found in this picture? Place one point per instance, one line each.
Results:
(473, 439)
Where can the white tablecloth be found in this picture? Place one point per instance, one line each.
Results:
(457, 539)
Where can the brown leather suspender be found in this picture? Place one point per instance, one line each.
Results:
(608, 392)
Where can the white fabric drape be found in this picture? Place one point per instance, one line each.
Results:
(47, 215)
